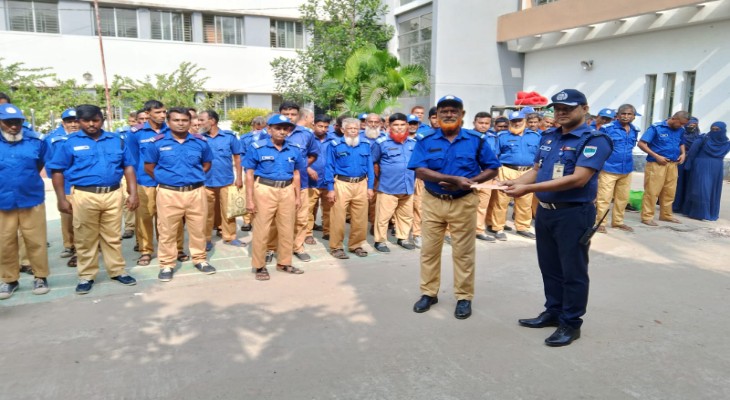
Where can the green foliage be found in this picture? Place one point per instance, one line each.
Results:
(241, 117)
(338, 29)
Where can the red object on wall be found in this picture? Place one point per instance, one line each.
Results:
(530, 99)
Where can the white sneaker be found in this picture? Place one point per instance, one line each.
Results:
(418, 241)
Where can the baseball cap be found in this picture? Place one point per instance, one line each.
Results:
(412, 118)
(607, 112)
(69, 113)
(450, 100)
(278, 119)
(9, 111)
(363, 116)
(569, 97)
(515, 115)
(527, 110)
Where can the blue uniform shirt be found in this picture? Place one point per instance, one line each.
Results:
(348, 161)
(621, 160)
(393, 157)
(21, 185)
(54, 140)
(305, 141)
(248, 138)
(556, 147)
(270, 163)
(664, 141)
(224, 146)
(461, 157)
(178, 164)
(88, 162)
(140, 141)
(518, 149)
(319, 164)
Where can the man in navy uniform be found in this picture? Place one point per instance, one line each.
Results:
(565, 179)
(22, 194)
(317, 186)
(450, 160)
(94, 161)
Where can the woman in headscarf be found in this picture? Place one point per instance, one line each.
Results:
(691, 134)
(706, 158)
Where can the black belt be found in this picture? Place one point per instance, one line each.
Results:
(351, 179)
(446, 196)
(273, 183)
(185, 188)
(518, 167)
(97, 189)
(558, 206)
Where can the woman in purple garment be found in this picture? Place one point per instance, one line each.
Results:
(706, 167)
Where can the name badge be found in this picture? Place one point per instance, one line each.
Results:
(166, 148)
(152, 139)
(558, 170)
(342, 154)
(267, 158)
(290, 159)
(78, 148)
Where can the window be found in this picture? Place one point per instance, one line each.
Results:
(33, 16)
(689, 90)
(171, 26)
(276, 101)
(669, 81)
(650, 98)
(414, 39)
(287, 34)
(232, 102)
(219, 29)
(117, 22)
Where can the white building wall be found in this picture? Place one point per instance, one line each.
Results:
(620, 67)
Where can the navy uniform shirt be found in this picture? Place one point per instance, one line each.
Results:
(21, 185)
(621, 160)
(393, 157)
(54, 140)
(556, 147)
(468, 155)
(303, 137)
(224, 146)
(88, 162)
(348, 161)
(319, 164)
(142, 139)
(178, 164)
(518, 149)
(664, 141)
(268, 162)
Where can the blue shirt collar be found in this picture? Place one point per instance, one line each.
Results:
(439, 134)
(577, 132)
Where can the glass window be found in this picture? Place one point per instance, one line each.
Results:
(414, 41)
(33, 16)
(689, 90)
(287, 34)
(669, 85)
(171, 26)
(650, 98)
(232, 102)
(117, 22)
(222, 29)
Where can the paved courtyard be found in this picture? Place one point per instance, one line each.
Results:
(656, 327)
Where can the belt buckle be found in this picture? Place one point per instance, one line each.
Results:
(279, 184)
(187, 188)
(102, 189)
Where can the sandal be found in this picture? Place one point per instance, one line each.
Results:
(72, 262)
(262, 274)
(359, 252)
(289, 268)
(182, 257)
(339, 253)
(144, 260)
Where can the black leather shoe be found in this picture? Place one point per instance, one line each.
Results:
(541, 321)
(563, 336)
(425, 303)
(463, 309)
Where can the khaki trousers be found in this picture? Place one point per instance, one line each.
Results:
(274, 207)
(22, 252)
(614, 187)
(172, 207)
(660, 182)
(399, 206)
(523, 204)
(97, 221)
(355, 197)
(67, 228)
(458, 215)
(318, 197)
(218, 203)
(31, 223)
(418, 190)
(146, 214)
(372, 204)
(300, 225)
(484, 196)
(129, 216)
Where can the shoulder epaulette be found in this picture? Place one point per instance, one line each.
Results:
(590, 135)
(381, 139)
(256, 145)
(136, 128)
(199, 136)
(334, 142)
(424, 135)
(157, 137)
(475, 133)
(31, 134)
(297, 145)
(57, 138)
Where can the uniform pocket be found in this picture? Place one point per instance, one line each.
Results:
(435, 163)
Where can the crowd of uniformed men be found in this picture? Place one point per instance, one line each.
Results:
(421, 176)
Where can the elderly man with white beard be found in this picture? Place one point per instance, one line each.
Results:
(372, 132)
(350, 177)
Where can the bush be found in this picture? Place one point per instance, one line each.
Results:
(241, 118)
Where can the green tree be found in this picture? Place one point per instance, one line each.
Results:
(338, 28)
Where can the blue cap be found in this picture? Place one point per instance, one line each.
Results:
(607, 112)
(527, 110)
(69, 113)
(278, 119)
(9, 111)
(569, 97)
(412, 118)
(516, 115)
(363, 116)
(450, 100)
